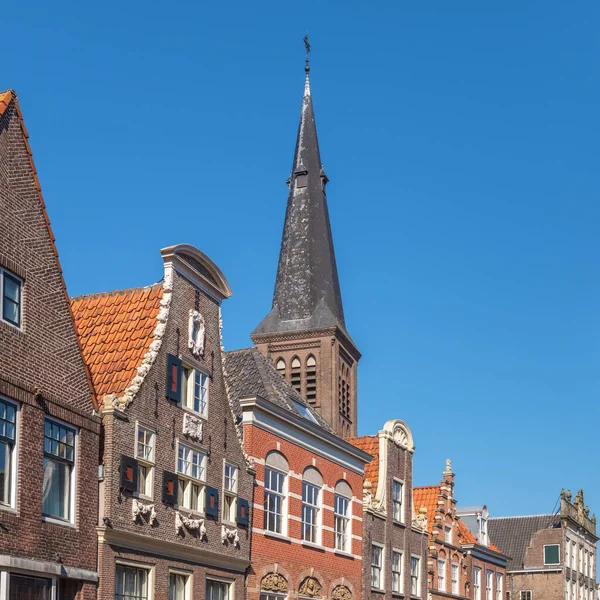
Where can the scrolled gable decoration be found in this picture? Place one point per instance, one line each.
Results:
(341, 592)
(197, 330)
(273, 582)
(310, 588)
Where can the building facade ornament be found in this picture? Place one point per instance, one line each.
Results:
(310, 588)
(230, 536)
(138, 509)
(193, 427)
(448, 466)
(420, 521)
(182, 523)
(274, 582)
(341, 592)
(197, 333)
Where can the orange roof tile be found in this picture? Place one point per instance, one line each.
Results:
(370, 444)
(426, 496)
(115, 330)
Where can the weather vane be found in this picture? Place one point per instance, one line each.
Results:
(307, 46)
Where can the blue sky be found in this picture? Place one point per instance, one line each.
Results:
(461, 141)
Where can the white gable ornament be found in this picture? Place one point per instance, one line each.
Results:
(197, 332)
(192, 427)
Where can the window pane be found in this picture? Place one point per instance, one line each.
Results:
(29, 588)
(56, 489)
(11, 304)
(551, 554)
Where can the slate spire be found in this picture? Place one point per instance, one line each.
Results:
(307, 290)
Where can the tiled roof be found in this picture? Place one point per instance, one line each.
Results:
(249, 373)
(7, 98)
(115, 330)
(513, 534)
(426, 496)
(370, 445)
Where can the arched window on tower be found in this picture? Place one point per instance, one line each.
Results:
(280, 366)
(311, 379)
(296, 379)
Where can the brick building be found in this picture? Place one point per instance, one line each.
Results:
(49, 436)
(307, 511)
(553, 556)
(461, 563)
(394, 537)
(175, 489)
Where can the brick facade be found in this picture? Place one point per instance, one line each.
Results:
(43, 376)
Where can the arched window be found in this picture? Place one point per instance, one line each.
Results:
(296, 379)
(311, 379)
(280, 366)
(344, 392)
(276, 470)
(342, 514)
(312, 482)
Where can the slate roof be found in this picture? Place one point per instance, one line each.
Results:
(513, 534)
(307, 291)
(370, 445)
(249, 373)
(115, 330)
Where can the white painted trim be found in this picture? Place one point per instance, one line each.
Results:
(14, 459)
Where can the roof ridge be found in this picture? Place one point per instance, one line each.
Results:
(115, 292)
(524, 516)
(425, 487)
(361, 437)
(239, 350)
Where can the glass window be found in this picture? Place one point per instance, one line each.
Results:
(455, 579)
(230, 483)
(59, 460)
(8, 433)
(195, 390)
(144, 452)
(477, 583)
(177, 586)
(448, 534)
(11, 299)
(310, 512)
(131, 583)
(552, 554)
(217, 590)
(274, 481)
(415, 575)
(499, 586)
(441, 573)
(396, 572)
(191, 467)
(191, 462)
(376, 567)
(489, 579)
(24, 587)
(342, 523)
(525, 595)
(397, 497)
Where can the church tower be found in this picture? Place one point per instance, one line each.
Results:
(305, 334)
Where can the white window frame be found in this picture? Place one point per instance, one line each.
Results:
(489, 585)
(448, 534)
(136, 565)
(398, 504)
(230, 494)
(188, 588)
(346, 520)
(6, 574)
(398, 572)
(73, 483)
(523, 595)
(14, 460)
(544, 554)
(441, 569)
(499, 586)
(189, 480)
(283, 501)
(379, 567)
(417, 592)
(146, 462)
(4, 272)
(477, 583)
(229, 582)
(188, 391)
(455, 583)
(315, 509)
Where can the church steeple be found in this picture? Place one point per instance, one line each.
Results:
(307, 310)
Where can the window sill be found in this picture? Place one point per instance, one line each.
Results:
(194, 514)
(54, 521)
(143, 497)
(229, 523)
(8, 509)
(377, 591)
(278, 536)
(399, 523)
(313, 546)
(192, 412)
(397, 594)
(344, 554)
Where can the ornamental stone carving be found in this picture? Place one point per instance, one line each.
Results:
(230, 536)
(192, 427)
(341, 592)
(273, 582)
(182, 523)
(143, 510)
(310, 588)
(420, 521)
(197, 331)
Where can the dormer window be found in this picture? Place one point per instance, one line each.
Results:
(301, 175)
(11, 298)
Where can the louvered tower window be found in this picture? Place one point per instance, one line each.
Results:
(296, 379)
(280, 366)
(311, 379)
(344, 395)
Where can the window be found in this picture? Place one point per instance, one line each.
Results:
(489, 581)
(551, 554)
(376, 567)
(341, 508)
(311, 379)
(230, 485)
(396, 572)
(8, 435)
(144, 452)
(499, 586)
(525, 595)
(131, 583)
(311, 488)
(581, 559)
(415, 575)
(296, 379)
(585, 563)
(191, 468)
(567, 553)
(195, 391)
(455, 579)
(217, 590)
(448, 534)
(477, 583)
(397, 497)
(574, 556)
(59, 462)
(24, 586)
(441, 573)
(280, 366)
(276, 469)
(178, 586)
(11, 298)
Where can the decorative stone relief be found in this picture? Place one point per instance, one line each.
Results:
(197, 332)
(448, 466)
(310, 588)
(341, 592)
(192, 427)
(420, 521)
(230, 536)
(400, 437)
(273, 582)
(182, 523)
(143, 510)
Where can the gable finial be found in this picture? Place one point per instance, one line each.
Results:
(307, 47)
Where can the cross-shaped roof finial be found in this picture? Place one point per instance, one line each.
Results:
(307, 46)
